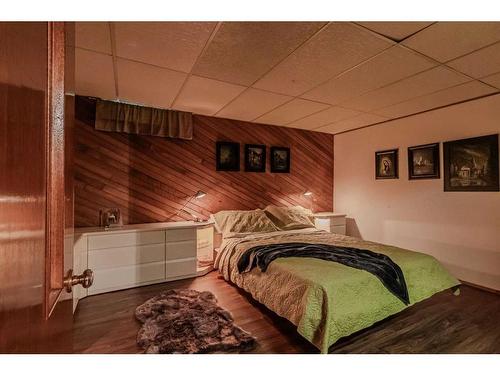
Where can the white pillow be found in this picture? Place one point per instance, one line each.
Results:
(288, 218)
(238, 221)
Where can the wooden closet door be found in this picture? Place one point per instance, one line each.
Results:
(35, 311)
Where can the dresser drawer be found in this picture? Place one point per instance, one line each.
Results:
(180, 250)
(339, 229)
(105, 241)
(338, 220)
(179, 268)
(126, 256)
(125, 277)
(174, 235)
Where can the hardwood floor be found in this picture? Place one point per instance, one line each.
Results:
(442, 324)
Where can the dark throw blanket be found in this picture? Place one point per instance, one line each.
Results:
(379, 265)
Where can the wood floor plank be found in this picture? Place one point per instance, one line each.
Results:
(445, 323)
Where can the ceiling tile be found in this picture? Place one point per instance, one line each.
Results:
(493, 80)
(251, 104)
(205, 96)
(255, 48)
(352, 123)
(479, 64)
(328, 116)
(448, 96)
(390, 66)
(173, 45)
(291, 111)
(444, 41)
(395, 30)
(148, 85)
(94, 74)
(336, 48)
(423, 83)
(94, 36)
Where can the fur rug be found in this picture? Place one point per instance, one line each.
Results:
(188, 321)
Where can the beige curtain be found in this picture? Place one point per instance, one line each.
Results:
(134, 119)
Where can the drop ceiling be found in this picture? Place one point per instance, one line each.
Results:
(324, 76)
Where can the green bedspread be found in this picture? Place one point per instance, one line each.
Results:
(324, 299)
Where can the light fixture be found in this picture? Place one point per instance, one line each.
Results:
(200, 194)
(308, 193)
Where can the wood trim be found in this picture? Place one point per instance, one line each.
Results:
(55, 167)
(152, 178)
(491, 290)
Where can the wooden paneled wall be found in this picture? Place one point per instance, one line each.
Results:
(151, 179)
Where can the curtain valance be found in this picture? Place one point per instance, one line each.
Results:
(134, 119)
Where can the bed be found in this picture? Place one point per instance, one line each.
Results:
(327, 300)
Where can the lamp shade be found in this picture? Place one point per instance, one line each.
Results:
(200, 194)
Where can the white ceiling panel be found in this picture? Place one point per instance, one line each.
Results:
(493, 80)
(251, 104)
(255, 48)
(479, 64)
(427, 82)
(94, 75)
(444, 41)
(291, 111)
(94, 36)
(328, 116)
(395, 30)
(148, 85)
(451, 95)
(173, 45)
(336, 48)
(387, 67)
(205, 96)
(352, 123)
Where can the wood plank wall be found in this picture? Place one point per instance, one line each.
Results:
(151, 178)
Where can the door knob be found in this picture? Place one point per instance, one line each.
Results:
(85, 279)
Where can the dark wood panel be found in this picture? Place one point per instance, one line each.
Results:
(443, 323)
(150, 178)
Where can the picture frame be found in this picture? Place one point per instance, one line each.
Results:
(387, 164)
(471, 164)
(280, 159)
(424, 162)
(255, 158)
(227, 156)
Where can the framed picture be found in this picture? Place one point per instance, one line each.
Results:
(386, 164)
(280, 160)
(228, 156)
(255, 158)
(423, 161)
(471, 164)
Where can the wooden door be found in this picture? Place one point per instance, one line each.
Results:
(36, 198)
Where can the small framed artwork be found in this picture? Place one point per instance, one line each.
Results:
(255, 158)
(228, 156)
(386, 164)
(280, 160)
(423, 161)
(471, 164)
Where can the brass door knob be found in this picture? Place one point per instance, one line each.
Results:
(85, 279)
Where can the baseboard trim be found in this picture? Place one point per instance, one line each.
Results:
(491, 290)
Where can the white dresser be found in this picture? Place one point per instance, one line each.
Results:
(331, 222)
(142, 254)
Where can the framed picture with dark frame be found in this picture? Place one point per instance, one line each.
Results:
(423, 162)
(255, 158)
(280, 159)
(227, 156)
(471, 164)
(386, 164)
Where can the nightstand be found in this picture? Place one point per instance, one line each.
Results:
(331, 222)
